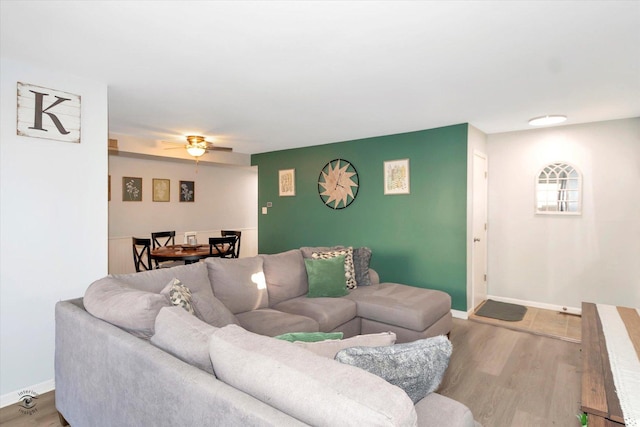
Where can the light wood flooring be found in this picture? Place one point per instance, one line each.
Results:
(539, 321)
(507, 378)
(510, 378)
(44, 416)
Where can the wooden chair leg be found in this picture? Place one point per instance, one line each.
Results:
(63, 421)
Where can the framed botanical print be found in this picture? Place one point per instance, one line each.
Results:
(287, 182)
(161, 190)
(396, 176)
(187, 191)
(131, 189)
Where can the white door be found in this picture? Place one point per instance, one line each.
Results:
(479, 249)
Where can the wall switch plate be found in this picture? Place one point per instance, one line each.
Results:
(264, 210)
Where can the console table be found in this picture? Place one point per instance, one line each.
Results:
(599, 398)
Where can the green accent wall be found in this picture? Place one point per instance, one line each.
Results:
(417, 239)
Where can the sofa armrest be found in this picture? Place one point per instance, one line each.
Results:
(374, 276)
(105, 376)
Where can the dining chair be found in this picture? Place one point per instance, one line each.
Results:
(164, 238)
(223, 247)
(141, 253)
(238, 234)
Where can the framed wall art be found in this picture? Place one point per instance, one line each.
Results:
(161, 190)
(131, 189)
(287, 182)
(396, 176)
(187, 191)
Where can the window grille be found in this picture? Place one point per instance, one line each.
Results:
(559, 190)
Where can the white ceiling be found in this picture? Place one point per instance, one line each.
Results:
(269, 75)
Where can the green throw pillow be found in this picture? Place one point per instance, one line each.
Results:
(310, 336)
(326, 277)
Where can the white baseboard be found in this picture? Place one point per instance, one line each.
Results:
(554, 307)
(460, 314)
(14, 397)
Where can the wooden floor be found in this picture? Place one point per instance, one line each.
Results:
(542, 322)
(513, 379)
(507, 378)
(45, 414)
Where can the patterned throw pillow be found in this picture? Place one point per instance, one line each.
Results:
(416, 367)
(180, 296)
(349, 270)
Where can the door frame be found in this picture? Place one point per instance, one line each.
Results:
(479, 290)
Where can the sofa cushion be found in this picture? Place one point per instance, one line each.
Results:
(286, 276)
(313, 389)
(416, 367)
(349, 271)
(436, 410)
(361, 261)
(184, 336)
(329, 348)
(326, 277)
(120, 304)
(194, 276)
(401, 305)
(238, 282)
(267, 321)
(328, 312)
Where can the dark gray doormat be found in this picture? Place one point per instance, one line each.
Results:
(502, 311)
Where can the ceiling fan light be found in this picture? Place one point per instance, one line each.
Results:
(195, 139)
(195, 151)
(547, 120)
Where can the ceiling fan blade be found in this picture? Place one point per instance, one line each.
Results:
(211, 147)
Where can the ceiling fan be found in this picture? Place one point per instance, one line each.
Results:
(197, 146)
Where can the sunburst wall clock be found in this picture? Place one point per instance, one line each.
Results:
(338, 184)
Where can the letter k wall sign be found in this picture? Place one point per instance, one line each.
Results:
(48, 113)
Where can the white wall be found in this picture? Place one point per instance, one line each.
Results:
(566, 260)
(226, 197)
(53, 224)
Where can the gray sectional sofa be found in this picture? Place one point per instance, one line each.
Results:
(126, 356)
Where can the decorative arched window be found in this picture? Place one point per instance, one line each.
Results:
(559, 190)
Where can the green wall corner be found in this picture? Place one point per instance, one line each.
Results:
(418, 239)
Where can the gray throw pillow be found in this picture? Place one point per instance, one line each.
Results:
(416, 367)
(361, 260)
(184, 336)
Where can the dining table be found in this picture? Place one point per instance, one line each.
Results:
(187, 253)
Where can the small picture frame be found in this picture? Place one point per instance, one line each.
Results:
(131, 189)
(161, 190)
(187, 191)
(287, 182)
(396, 177)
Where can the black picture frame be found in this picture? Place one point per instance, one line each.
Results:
(187, 191)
